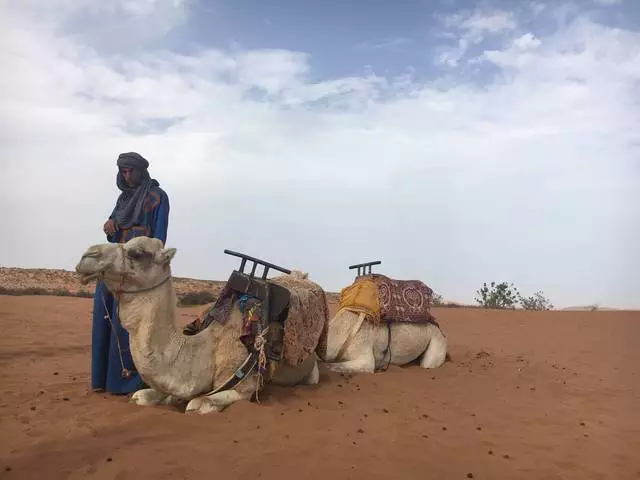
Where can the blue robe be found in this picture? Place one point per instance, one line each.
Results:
(106, 367)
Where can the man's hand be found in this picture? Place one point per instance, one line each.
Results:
(109, 227)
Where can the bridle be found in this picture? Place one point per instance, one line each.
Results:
(120, 290)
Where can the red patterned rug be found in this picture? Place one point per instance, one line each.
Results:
(403, 300)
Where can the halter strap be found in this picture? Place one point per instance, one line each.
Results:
(119, 291)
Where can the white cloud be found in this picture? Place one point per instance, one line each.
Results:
(473, 27)
(526, 41)
(608, 3)
(529, 177)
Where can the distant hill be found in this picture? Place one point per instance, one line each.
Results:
(588, 308)
(53, 280)
(43, 281)
(190, 291)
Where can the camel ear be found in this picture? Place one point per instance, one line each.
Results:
(165, 255)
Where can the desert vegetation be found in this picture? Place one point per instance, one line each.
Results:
(506, 295)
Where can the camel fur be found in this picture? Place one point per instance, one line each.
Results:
(357, 340)
(178, 368)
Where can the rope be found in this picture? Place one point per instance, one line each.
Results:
(259, 345)
(388, 349)
(124, 372)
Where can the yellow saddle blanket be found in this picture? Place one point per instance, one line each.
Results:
(384, 299)
(362, 297)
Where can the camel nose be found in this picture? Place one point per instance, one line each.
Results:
(91, 253)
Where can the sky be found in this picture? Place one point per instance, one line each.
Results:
(458, 142)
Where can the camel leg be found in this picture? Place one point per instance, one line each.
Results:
(314, 375)
(436, 352)
(149, 396)
(215, 402)
(363, 364)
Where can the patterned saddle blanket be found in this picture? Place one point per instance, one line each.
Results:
(384, 299)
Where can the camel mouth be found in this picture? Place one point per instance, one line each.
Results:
(88, 277)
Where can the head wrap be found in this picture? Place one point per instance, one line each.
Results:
(130, 203)
(132, 160)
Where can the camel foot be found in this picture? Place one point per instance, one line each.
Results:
(202, 406)
(314, 376)
(213, 403)
(149, 396)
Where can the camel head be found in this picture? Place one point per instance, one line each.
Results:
(139, 264)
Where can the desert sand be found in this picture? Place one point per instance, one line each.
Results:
(527, 395)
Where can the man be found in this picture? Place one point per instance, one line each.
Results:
(141, 209)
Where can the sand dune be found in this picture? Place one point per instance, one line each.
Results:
(550, 395)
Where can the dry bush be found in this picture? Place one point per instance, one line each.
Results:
(202, 297)
(58, 292)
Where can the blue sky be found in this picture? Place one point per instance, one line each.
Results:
(459, 142)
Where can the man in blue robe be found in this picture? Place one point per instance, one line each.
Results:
(142, 209)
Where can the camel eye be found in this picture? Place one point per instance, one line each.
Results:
(138, 254)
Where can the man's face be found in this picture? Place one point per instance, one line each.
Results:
(130, 176)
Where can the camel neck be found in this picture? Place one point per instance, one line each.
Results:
(150, 316)
(165, 358)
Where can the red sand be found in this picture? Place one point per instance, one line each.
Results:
(547, 395)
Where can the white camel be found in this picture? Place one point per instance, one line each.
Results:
(178, 368)
(355, 344)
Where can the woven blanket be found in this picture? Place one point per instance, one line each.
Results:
(218, 312)
(396, 300)
(307, 319)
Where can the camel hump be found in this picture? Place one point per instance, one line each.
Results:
(299, 275)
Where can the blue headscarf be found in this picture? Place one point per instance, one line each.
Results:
(130, 202)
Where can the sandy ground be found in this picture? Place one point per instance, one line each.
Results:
(527, 395)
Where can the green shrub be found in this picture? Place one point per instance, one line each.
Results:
(536, 302)
(501, 295)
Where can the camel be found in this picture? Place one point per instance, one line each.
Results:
(357, 344)
(179, 368)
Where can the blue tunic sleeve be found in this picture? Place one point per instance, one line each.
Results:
(112, 238)
(160, 217)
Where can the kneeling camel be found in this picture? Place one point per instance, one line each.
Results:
(382, 322)
(201, 369)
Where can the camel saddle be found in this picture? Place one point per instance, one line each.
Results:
(272, 299)
(389, 300)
